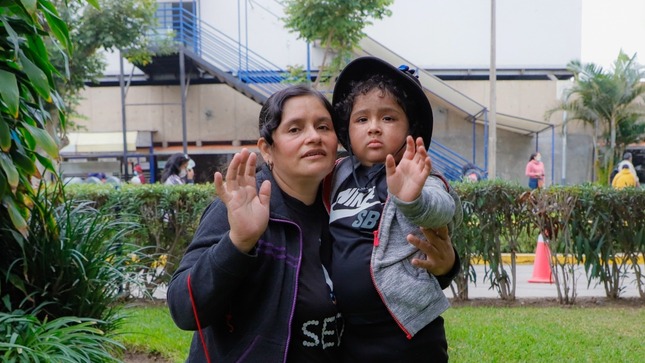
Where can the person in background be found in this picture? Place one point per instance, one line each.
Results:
(175, 172)
(624, 178)
(627, 160)
(138, 177)
(535, 171)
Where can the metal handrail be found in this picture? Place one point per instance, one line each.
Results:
(218, 49)
(229, 55)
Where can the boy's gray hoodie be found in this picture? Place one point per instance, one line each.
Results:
(412, 295)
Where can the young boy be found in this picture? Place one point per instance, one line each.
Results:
(379, 194)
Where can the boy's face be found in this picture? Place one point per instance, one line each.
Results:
(377, 127)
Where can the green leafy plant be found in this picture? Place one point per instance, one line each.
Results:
(25, 338)
(27, 90)
(73, 262)
(552, 212)
(167, 217)
(610, 236)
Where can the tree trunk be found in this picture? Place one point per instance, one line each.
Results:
(322, 65)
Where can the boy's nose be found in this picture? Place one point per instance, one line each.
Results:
(374, 127)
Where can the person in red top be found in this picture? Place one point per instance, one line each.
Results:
(535, 171)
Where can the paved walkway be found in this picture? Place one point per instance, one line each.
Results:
(524, 288)
(527, 289)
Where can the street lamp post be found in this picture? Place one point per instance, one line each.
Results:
(492, 134)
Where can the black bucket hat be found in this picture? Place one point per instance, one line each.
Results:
(360, 69)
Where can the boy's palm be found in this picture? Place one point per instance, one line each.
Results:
(406, 180)
(248, 209)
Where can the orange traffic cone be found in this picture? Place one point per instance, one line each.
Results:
(541, 265)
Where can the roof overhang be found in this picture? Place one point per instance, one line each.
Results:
(105, 142)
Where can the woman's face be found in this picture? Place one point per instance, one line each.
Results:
(304, 144)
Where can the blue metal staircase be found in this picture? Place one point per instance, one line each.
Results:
(248, 72)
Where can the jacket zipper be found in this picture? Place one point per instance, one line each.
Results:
(295, 291)
(380, 294)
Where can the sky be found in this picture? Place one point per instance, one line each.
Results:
(608, 26)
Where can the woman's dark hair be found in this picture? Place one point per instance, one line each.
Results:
(173, 165)
(533, 156)
(271, 112)
(385, 84)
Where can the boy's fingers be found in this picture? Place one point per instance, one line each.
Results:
(390, 165)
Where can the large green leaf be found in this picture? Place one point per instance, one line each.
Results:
(44, 161)
(44, 140)
(25, 163)
(30, 5)
(13, 37)
(36, 76)
(37, 51)
(94, 3)
(10, 94)
(9, 170)
(56, 24)
(17, 219)
(5, 136)
(3, 185)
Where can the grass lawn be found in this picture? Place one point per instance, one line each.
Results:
(475, 334)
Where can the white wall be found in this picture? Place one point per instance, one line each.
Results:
(429, 33)
(456, 34)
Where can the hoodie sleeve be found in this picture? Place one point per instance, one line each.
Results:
(434, 208)
(214, 268)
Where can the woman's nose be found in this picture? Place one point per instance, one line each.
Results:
(313, 135)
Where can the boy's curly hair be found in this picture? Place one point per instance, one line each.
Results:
(387, 85)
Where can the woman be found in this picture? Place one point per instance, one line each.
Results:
(251, 282)
(175, 172)
(535, 171)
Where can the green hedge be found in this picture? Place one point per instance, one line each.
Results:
(602, 229)
(599, 228)
(167, 217)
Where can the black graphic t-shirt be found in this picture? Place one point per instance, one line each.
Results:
(354, 217)
(316, 328)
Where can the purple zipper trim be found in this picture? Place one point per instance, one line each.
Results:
(295, 294)
(279, 253)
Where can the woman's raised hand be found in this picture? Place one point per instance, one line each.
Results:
(248, 208)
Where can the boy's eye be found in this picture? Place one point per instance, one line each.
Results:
(388, 118)
(361, 119)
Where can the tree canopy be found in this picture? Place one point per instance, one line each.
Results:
(337, 24)
(611, 101)
(115, 25)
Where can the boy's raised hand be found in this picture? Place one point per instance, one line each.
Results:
(406, 180)
(248, 209)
